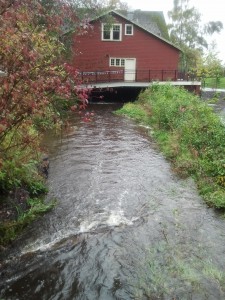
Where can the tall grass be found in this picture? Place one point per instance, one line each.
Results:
(189, 134)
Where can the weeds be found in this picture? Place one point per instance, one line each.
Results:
(9, 230)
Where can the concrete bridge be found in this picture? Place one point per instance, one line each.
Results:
(141, 79)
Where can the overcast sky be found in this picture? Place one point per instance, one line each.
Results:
(210, 11)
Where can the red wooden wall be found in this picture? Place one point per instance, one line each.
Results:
(151, 53)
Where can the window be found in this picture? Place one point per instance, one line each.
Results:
(128, 29)
(117, 62)
(111, 32)
(112, 62)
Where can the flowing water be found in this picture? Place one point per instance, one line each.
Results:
(124, 228)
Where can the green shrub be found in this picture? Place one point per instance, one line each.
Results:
(15, 173)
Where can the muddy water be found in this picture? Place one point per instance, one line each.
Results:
(124, 228)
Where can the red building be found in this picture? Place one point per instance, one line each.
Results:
(118, 48)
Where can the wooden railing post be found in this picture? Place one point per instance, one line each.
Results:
(109, 76)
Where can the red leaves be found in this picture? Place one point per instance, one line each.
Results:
(6, 86)
(87, 117)
(31, 56)
(73, 108)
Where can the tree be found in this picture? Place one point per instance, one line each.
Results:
(90, 9)
(187, 32)
(210, 66)
(36, 78)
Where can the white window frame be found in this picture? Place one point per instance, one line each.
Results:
(116, 62)
(111, 30)
(132, 29)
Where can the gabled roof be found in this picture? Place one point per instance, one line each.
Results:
(153, 21)
(151, 27)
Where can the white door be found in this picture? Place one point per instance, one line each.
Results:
(130, 69)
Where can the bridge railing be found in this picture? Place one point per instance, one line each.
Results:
(101, 76)
(134, 75)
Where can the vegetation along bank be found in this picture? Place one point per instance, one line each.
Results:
(38, 87)
(189, 133)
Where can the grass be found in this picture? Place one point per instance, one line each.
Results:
(214, 83)
(10, 229)
(190, 135)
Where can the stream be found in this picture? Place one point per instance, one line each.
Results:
(125, 227)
